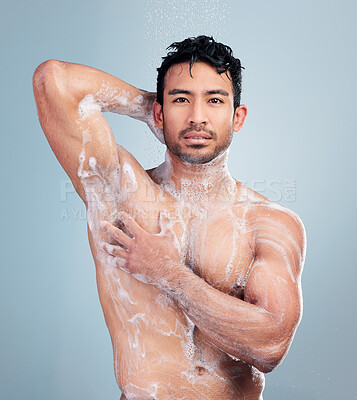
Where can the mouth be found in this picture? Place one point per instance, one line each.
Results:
(195, 137)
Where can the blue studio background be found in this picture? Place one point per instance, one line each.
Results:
(297, 147)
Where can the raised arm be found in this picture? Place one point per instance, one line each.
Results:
(70, 100)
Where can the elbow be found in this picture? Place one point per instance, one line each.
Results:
(42, 74)
(273, 356)
(47, 77)
(263, 361)
(268, 366)
(276, 346)
(268, 356)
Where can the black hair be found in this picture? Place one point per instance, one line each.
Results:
(202, 48)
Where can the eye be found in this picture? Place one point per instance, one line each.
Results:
(215, 100)
(180, 100)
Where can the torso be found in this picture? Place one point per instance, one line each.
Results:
(158, 352)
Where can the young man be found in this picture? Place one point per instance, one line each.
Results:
(198, 276)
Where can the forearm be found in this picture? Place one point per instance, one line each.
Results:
(76, 82)
(257, 331)
(238, 328)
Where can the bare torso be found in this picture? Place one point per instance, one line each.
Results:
(228, 243)
(158, 351)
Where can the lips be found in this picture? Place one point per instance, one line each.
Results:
(197, 135)
(197, 138)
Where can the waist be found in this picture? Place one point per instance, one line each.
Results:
(181, 369)
(165, 380)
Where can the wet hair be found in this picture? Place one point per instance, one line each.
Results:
(202, 48)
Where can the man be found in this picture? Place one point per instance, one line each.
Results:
(198, 276)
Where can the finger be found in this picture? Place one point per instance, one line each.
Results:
(117, 262)
(115, 251)
(117, 234)
(165, 223)
(131, 224)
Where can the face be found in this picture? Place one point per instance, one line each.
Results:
(198, 116)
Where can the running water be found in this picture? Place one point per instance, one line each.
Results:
(168, 22)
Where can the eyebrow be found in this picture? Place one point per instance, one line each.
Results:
(179, 91)
(217, 91)
(208, 92)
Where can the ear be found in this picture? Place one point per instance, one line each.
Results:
(239, 117)
(158, 115)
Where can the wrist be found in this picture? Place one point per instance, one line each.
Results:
(172, 281)
(141, 106)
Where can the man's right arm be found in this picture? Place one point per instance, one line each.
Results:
(70, 99)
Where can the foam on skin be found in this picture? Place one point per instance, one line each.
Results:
(87, 106)
(138, 107)
(128, 172)
(145, 314)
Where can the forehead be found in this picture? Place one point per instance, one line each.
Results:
(203, 76)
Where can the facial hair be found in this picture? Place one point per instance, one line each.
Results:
(197, 157)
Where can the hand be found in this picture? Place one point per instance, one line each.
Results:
(150, 258)
(159, 133)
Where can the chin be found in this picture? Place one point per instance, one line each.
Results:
(195, 160)
(202, 159)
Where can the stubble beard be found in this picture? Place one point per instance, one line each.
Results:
(197, 158)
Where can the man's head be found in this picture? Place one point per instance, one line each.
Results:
(206, 49)
(198, 99)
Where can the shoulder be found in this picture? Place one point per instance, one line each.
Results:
(260, 209)
(272, 223)
(266, 214)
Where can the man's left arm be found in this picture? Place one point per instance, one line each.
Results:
(258, 330)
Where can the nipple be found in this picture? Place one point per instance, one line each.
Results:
(200, 370)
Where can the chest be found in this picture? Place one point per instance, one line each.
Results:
(219, 247)
(215, 240)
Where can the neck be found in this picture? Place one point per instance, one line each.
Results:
(196, 181)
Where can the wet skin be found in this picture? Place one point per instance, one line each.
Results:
(161, 330)
(200, 287)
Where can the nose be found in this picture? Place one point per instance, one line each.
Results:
(198, 113)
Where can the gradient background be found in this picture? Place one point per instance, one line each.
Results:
(299, 85)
